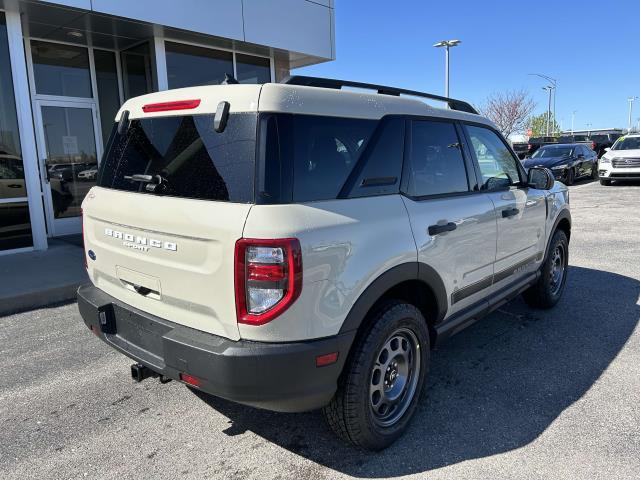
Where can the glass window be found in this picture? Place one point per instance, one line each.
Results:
(320, 151)
(383, 165)
(189, 66)
(15, 226)
(136, 71)
(549, 151)
(436, 165)
(185, 157)
(627, 143)
(252, 69)
(61, 70)
(498, 166)
(108, 91)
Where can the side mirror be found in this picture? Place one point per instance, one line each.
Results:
(540, 178)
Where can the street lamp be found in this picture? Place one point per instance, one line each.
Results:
(554, 85)
(631, 100)
(550, 89)
(573, 118)
(447, 44)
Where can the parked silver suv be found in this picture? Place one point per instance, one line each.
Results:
(298, 246)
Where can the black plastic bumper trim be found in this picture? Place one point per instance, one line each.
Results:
(274, 376)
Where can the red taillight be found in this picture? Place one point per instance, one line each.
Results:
(190, 379)
(265, 273)
(529, 147)
(593, 145)
(84, 244)
(167, 106)
(268, 278)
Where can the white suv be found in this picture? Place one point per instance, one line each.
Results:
(622, 161)
(296, 246)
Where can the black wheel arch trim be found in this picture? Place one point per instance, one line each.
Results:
(564, 214)
(391, 278)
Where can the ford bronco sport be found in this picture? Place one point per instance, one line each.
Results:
(298, 246)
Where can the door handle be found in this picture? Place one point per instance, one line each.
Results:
(14, 185)
(438, 229)
(510, 212)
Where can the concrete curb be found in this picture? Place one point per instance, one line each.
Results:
(38, 299)
(38, 279)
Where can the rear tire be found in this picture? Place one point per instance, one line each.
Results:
(381, 384)
(605, 182)
(546, 292)
(594, 172)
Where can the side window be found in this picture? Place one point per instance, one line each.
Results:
(498, 166)
(435, 165)
(381, 172)
(323, 152)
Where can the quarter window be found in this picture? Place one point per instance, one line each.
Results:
(436, 165)
(498, 166)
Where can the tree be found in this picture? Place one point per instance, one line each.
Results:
(537, 124)
(509, 111)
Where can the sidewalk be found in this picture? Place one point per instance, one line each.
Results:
(36, 279)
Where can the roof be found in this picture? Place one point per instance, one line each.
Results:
(277, 97)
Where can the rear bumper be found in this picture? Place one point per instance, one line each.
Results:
(274, 376)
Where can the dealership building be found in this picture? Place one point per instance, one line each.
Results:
(67, 66)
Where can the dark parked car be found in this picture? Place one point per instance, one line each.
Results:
(598, 142)
(536, 142)
(521, 149)
(567, 161)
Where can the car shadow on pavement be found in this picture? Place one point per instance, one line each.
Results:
(492, 388)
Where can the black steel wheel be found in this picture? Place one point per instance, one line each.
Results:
(394, 377)
(380, 387)
(547, 291)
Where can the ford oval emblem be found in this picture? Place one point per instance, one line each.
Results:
(92, 254)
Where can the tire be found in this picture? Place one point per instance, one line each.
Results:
(547, 291)
(570, 177)
(380, 370)
(605, 182)
(594, 172)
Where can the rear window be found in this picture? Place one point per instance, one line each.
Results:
(185, 157)
(309, 158)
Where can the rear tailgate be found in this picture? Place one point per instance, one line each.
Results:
(171, 257)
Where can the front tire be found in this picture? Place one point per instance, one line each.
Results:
(570, 177)
(378, 391)
(546, 292)
(605, 182)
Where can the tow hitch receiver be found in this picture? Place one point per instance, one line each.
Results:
(139, 372)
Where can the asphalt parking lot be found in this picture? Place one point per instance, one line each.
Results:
(522, 394)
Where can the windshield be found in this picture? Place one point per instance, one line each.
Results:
(183, 156)
(627, 143)
(553, 151)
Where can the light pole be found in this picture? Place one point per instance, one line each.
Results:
(631, 100)
(554, 86)
(573, 118)
(549, 88)
(447, 44)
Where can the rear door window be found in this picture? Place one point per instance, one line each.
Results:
(435, 164)
(184, 157)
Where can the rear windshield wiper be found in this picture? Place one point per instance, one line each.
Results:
(154, 183)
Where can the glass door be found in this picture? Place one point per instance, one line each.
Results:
(69, 146)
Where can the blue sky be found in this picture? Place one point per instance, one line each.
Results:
(591, 48)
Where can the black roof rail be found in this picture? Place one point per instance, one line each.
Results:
(381, 89)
